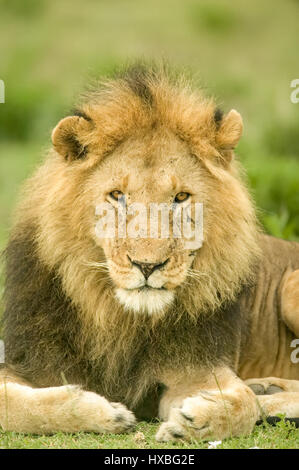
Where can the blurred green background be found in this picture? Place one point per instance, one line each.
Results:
(243, 52)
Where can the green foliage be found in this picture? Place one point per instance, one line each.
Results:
(19, 8)
(282, 138)
(214, 17)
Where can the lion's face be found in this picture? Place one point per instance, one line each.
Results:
(155, 168)
(147, 143)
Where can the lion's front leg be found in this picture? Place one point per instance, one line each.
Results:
(219, 405)
(66, 408)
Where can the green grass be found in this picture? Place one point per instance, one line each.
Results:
(244, 53)
(284, 435)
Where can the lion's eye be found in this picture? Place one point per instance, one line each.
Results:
(181, 197)
(116, 195)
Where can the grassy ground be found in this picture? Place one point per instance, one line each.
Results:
(283, 436)
(244, 53)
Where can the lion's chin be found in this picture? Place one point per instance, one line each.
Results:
(150, 301)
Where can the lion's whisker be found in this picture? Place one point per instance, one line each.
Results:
(96, 265)
(197, 274)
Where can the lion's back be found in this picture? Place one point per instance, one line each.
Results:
(268, 347)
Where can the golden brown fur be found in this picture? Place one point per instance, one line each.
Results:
(150, 137)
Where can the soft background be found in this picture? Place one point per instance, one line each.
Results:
(243, 52)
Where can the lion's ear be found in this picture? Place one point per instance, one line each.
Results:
(228, 134)
(68, 137)
(229, 131)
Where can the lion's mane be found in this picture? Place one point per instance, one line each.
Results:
(61, 315)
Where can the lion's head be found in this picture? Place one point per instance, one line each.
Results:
(144, 138)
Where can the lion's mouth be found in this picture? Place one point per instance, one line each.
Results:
(147, 288)
(151, 300)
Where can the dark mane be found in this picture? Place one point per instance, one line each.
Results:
(138, 77)
(44, 344)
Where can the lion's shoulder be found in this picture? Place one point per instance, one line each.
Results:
(279, 254)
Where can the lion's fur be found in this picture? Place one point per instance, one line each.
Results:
(46, 344)
(61, 315)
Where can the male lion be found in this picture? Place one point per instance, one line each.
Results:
(144, 323)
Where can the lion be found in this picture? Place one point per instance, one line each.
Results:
(102, 331)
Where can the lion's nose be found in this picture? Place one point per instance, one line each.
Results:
(148, 268)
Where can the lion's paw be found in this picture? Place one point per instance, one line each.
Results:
(193, 420)
(103, 416)
(208, 416)
(67, 409)
(123, 417)
(267, 386)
